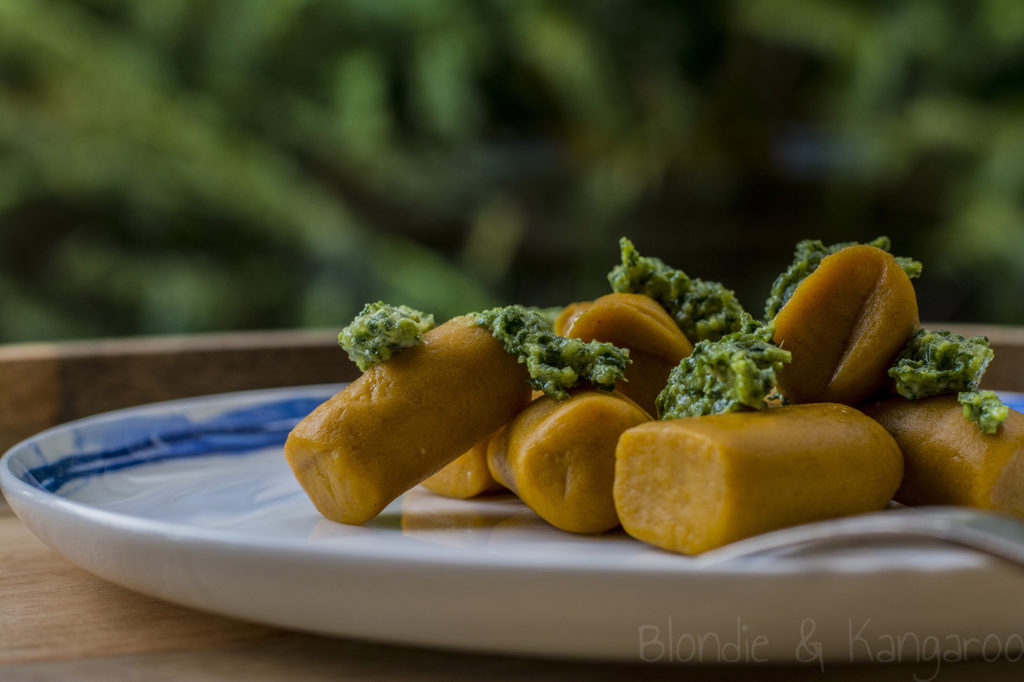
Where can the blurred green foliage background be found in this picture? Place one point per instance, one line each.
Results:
(191, 165)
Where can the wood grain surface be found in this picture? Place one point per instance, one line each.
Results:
(58, 622)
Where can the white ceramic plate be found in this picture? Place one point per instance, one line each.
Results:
(191, 501)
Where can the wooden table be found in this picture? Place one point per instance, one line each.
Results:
(58, 622)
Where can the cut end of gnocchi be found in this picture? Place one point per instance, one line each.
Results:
(844, 325)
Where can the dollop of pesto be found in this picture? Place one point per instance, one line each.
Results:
(808, 256)
(936, 362)
(380, 330)
(555, 363)
(703, 310)
(733, 373)
(984, 408)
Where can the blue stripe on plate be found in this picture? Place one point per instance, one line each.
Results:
(1014, 400)
(144, 440)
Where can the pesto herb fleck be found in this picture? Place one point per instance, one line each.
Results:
(733, 373)
(555, 363)
(703, 310)
(936, 362)
(550, 313)
(806, 259)
(912, 267)
(380, 330)
(984, 408)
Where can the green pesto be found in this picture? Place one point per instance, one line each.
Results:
(733, 373)
(550, 313)
(806, 259)
(555, 363)
(703, 310)
(380, 330)
(936, 362)
(984, 408)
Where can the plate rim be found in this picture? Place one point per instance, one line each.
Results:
(672, 586)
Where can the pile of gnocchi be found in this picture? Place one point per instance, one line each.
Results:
(665, 408)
